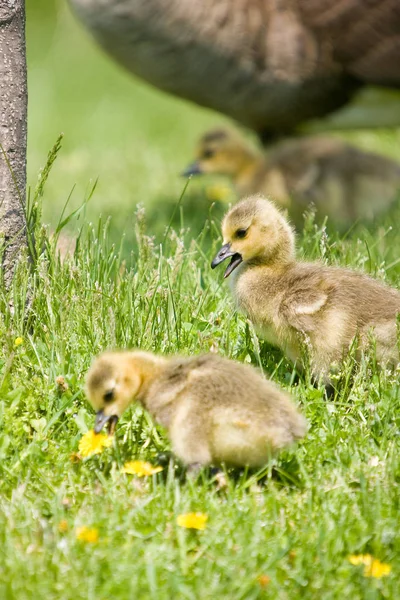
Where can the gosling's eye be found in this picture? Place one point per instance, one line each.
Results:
(241, 233)
(108, 396)
(208, 154)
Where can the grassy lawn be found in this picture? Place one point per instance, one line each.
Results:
(334, 495)
(285, 533)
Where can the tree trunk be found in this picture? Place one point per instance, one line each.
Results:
(13, 114)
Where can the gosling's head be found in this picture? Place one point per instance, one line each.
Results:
(221, 152)
(255, 231)
(114, 381)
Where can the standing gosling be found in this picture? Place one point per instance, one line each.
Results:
(215, 410)
(344, 183)
(291, 301)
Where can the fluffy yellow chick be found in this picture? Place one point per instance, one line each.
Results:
(291, 302)
(214, 409)
(344, 183)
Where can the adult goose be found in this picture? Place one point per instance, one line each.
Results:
(269, 64)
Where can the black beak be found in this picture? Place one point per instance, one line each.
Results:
(193, 169)
(102, 419)
(225, 253)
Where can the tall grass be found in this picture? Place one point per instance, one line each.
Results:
(334, 495)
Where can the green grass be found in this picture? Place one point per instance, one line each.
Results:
(313, 506)
(335, 494)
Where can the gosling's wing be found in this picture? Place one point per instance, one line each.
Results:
(300, 309)
(344, 182)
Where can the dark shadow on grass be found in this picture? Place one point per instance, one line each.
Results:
(286, 473)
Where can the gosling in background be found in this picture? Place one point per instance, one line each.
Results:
(215, 410)
(344, 183)
(291, 302)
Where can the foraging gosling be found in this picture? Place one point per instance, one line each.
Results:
(291, 301)
(214, 409)
(344, 183)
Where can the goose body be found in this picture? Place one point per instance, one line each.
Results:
(269, 64)
(344, 183)
(215, 410)
(300, 305)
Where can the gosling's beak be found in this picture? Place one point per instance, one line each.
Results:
(102, 419)
(193, 169)
(225, 253)
(222, 254)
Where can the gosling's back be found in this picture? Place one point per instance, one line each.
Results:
(217, 410)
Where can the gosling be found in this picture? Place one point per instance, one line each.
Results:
(215, 410)
(344, 183)
(291, 302)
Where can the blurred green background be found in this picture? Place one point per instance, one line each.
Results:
(133, 138)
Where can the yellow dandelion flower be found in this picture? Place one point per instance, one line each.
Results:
(87, 534)
(359, 559)
(192, 520)
(18, 341)
(93, 443)
(373, 567)
(263, 580)
(377, 569)
(140, 468)
(218, 193)
(63, 526)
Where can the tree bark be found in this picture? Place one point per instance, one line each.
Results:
(13, 116)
